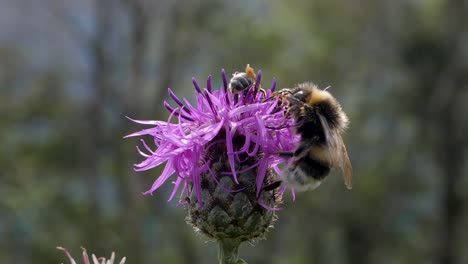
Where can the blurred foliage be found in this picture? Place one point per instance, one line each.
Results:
(70, 71)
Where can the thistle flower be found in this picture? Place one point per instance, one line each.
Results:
(221, 152)
(95, 259)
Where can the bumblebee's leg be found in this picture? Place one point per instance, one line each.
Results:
(301, 151)
(272, 186)
(268, 98)
(262, 91)
(282, 125)
(285, 154)
(304, 147)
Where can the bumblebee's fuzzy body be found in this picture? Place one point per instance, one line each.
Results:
(320, 123)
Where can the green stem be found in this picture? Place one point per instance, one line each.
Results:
(228, 252)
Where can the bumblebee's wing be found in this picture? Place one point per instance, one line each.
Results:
(332, 140)
(345, 164)
(337, 154)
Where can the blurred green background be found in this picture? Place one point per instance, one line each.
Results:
(70, 71)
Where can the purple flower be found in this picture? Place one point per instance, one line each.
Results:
(218, 116)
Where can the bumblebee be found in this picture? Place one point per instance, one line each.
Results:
(242, 80)
(320, 122)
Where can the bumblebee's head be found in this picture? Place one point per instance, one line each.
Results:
(323, 103)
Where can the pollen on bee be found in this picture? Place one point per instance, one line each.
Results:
(250, 72)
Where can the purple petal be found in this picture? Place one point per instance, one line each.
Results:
(167, 172)
(225, 83)
(208, 83)
(146, 122)
(207, 97)
(195, 84)
(273, 85)
(168, 107)
(230, 149)
(177, 100)
(142, 153)
(176, 187)
(149, 131)
(258, 81)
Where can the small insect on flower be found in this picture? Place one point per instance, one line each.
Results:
(320, 122)
(242, 80)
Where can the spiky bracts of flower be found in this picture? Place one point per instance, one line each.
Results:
(221, 151)
(233, 210)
